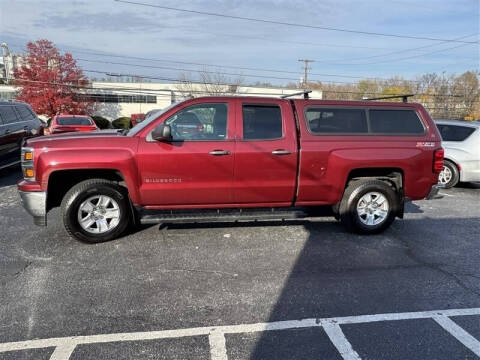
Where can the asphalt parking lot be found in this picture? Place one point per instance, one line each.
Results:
(298, 290)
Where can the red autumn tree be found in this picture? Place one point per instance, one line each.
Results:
(50, 82)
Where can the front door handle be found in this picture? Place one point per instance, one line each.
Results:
(219, 152)
(281, 152)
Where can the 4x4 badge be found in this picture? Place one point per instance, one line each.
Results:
(425, 144)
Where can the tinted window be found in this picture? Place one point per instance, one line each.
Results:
(455, 132)
(73, 120)
(395, 122)
(200, 122)
(7, 113)
(262, 122)
(24, 113)
(336, 121)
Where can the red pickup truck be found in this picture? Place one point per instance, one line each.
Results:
(251, 158)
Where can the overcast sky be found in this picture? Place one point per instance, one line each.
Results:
(116, 28)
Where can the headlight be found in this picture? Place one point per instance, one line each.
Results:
(27, 163)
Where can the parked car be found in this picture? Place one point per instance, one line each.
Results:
(461, 141)
(258, 158)
(68, 123)
(17, 122)
(137, 118)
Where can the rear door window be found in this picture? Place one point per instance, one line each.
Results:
(262, 122)
(455, 132)
(395, 122)
(336, 121)
(8, 115)
(24, 113)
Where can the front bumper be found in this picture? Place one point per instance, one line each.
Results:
(434, 191)
(35, 202)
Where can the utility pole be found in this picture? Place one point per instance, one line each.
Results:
(306, 68)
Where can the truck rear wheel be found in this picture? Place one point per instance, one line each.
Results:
(368, 206)
(96, 210)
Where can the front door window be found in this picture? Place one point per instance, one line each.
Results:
(200, 122)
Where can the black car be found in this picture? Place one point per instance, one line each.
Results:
(17, 122)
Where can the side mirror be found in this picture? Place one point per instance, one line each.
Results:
(162, 133)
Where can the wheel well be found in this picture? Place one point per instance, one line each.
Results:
(59, 182)
(393, 176)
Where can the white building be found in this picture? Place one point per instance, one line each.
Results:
(123, 99)
(117, 99)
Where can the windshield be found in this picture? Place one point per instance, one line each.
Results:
(74, 120)
(154, 115)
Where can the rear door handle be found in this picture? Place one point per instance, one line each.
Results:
(281, 152)
(219, 152)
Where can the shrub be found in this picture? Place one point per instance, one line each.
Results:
(122, 123)
(101, 122)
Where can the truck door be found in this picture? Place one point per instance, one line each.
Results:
(265, 153)
(196, 167)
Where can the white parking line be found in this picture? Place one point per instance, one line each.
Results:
(63, 352)
(459, 333)
(218, 349)
(64, 346)
(445, 194)
(337, 337)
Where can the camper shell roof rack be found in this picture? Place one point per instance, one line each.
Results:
(304, 93)
(403, 97)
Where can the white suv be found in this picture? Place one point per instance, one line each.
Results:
(461, 141)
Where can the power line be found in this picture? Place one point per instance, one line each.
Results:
(151, 91)
(411, 57)
(223, 66)
(411, 49)
(212, 72)
(263, 38)
(291, 24)
(199, 64)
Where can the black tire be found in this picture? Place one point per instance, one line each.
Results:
(455, 174)
(351, 197)
(84, 190)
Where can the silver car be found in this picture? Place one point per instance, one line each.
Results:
(461, 141)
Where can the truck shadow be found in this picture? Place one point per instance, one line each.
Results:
(415, 265)
(412, 208)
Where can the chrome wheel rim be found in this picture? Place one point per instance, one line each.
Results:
(445, 175)
(372, 208)
(99, 214)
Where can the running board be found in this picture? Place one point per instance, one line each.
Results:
(222, 215)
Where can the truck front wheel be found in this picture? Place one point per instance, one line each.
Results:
(368, 206)
(96, 210)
